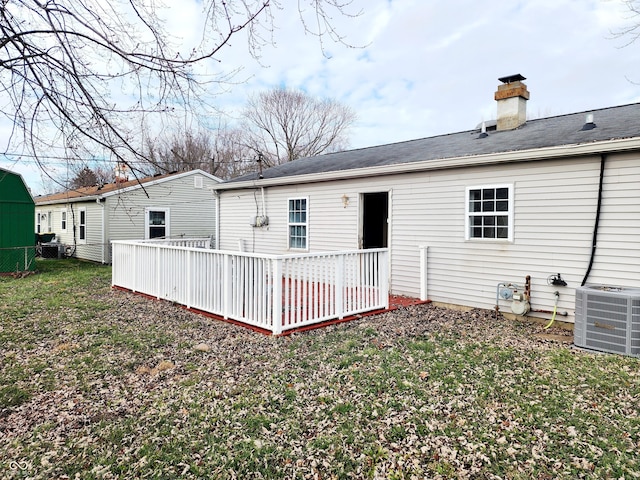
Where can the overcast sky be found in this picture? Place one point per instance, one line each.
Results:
(429, 67)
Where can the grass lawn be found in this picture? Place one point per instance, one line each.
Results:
(103, 384)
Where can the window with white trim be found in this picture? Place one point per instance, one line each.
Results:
(39, 220)
(63, 220)
(157, 223)
(82, 225)
(49, 221)
(489, 214)
(298, 223)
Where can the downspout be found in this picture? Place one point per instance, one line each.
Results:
(216, 194)
(594, 241)
(102, 230)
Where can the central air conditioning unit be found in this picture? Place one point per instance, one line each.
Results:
(608, 319)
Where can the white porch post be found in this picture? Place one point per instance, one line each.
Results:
(424, 293)
(340, 286)
(383, 272)
(276, 301)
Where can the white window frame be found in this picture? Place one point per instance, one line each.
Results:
(509, 213)
(38, 221)
(63, 220)
(167, 221)
(304, 224)
(82, 225)
(49, 221)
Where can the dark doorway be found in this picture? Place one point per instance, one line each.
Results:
(375, 220)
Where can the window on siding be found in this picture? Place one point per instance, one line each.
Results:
(490, 212)
(298, 223)
(39, 219)
(49, 221)
(82, 225)
(157, 223)
(63, 220)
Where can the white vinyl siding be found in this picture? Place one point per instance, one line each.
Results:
(122, 216)
(553, 215)
(193, 210)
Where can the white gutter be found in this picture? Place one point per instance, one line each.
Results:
(535, 154)
(216, 195)
(90, 198)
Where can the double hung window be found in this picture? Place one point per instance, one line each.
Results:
(82, 225)
(298, 223)
(157, 223)
(490, 212)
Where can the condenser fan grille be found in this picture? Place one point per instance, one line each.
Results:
(608, 319)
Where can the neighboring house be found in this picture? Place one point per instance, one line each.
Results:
(510, 199)
(17, 242)
(86, 220)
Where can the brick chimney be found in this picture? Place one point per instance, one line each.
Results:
(121, 172)
(512, 98)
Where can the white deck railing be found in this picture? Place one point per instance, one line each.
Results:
(272, 292)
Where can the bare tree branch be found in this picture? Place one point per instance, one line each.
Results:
(285, 125)
(82, 76)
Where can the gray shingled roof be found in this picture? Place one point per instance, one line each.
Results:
(611, 123)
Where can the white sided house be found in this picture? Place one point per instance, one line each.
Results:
(86, 220)
(527, 205)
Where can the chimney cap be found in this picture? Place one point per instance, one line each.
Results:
(512, 78)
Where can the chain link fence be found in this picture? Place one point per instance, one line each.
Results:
(15, 260)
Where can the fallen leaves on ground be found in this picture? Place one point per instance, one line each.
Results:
(143, 388)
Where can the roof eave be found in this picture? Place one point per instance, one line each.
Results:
(546, 153)
(89, 198)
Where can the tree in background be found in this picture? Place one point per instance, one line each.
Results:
(285, 125)
(222, 152)
(85, 176)
(81, 76)
(632, 31)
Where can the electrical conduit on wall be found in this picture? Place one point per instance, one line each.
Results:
(594, 242)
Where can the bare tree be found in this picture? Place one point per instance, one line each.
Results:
(233, 154)
(80, 76)
(631, 32)
(285, 125)
(184, 151)
(221, 152)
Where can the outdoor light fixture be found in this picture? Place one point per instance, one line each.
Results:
(345, 200)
